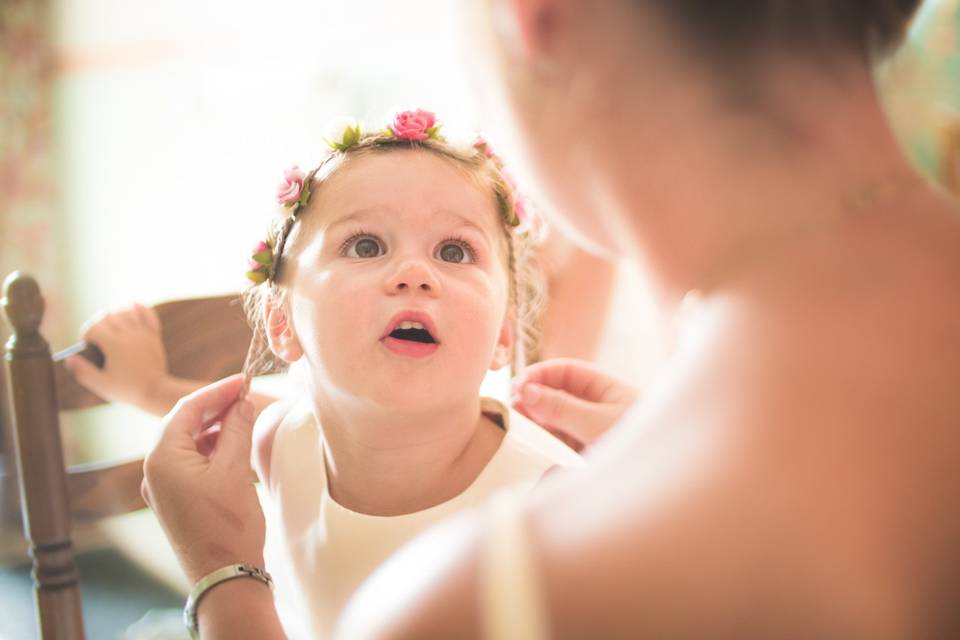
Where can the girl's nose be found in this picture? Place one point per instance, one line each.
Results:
(413, 275)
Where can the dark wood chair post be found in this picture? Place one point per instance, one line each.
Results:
(39, 453)
(9, 503)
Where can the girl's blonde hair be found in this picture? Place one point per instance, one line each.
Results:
(525, 280)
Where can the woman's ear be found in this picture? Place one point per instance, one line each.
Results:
(280, 335)
(504, 348)
(526, 24)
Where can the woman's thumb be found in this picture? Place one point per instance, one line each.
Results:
(236, 433)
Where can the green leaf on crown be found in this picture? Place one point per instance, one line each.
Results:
(257, 277)
(264, 257)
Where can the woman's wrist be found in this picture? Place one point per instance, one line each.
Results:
(240, 608)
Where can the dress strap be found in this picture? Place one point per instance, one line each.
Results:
(511, 598)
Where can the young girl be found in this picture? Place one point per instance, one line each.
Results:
(399, 274)
(399, 277)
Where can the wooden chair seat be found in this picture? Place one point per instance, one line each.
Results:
(204, 338)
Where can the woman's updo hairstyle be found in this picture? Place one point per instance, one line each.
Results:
(867, 28)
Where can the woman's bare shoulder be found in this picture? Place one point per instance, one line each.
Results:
(798, 453)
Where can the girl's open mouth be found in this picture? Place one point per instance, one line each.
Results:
(413, 332)
(412, 339)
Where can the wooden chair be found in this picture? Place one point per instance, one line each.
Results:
(205, 339)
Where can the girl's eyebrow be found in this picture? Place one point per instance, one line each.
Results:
(465, 222)
(367, 212)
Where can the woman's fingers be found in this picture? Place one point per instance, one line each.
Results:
(585, 420)
(578, 377)
(236, 434)
(197, 411)
(572, 396)
(197, 479)
(147, 316)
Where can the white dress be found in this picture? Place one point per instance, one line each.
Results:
(319, 552)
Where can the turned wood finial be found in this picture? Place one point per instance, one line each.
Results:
(22, 303)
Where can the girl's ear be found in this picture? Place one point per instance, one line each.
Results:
(280, 335)
(504, 348)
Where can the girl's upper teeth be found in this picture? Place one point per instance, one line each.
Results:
(410, 325)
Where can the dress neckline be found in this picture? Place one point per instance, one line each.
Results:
(493, 410)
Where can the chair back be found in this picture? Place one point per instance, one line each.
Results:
(205, 339)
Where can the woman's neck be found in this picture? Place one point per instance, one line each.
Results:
(755, 179)
(387, 462)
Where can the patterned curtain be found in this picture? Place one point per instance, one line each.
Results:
(28, 188)
(28, 192)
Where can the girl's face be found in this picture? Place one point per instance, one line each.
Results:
(392, 239)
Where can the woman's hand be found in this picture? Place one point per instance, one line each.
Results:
(206, 502)
(135, 362)
(573, 399)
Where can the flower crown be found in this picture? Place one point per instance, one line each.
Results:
(419, 126)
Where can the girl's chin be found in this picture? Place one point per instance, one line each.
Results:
(418, 396)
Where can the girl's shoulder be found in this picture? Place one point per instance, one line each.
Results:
(265, 432)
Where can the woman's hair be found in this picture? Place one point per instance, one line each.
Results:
(518, 243)
(869, 28)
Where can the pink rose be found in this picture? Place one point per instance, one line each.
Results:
(509, 179)
(413, 125)
(484, 147)
(520, 209)
(288, 191)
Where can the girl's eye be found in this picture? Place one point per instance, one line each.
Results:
(456, 251)
(362, 247)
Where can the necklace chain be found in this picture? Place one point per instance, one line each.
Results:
(863, 200)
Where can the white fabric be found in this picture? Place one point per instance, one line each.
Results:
(511, 598)
(319, 552)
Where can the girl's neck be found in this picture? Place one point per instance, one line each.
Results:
(389, 463)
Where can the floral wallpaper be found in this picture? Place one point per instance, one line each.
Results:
(28, 190)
